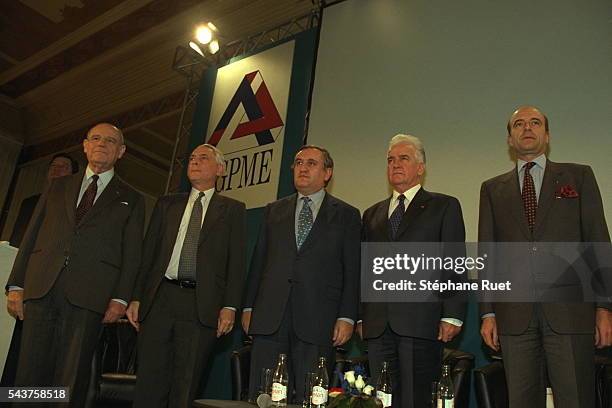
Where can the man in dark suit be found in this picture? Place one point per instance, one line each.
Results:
(527, 205)
(302, 290)
(76, 267)
(190, 284)
(410, 335)
(61, 165)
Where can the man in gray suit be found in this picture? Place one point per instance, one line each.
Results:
(528, 204)
(76, 267)
(190, 284)
(302, 289)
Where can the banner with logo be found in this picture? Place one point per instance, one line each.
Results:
(253, 110)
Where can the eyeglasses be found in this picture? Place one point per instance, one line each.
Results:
(105, 139)
(533, 123)
(310, 163)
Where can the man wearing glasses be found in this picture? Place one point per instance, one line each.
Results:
(76, 267)
(302, 289)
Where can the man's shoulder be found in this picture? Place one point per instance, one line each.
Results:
(383, 203)
(570, 167)
(282, 202)
(172, 198)
(231, 202)
(341, 204)
(440, 196)
(128, 189)
(501, 178)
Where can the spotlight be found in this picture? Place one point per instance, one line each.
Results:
(197, 48)
(213, 47)
(203, 34)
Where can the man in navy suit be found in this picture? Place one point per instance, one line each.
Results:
(302, 290)
(410, 335)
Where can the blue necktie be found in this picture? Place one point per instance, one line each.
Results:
(304, 222)
(396, 216)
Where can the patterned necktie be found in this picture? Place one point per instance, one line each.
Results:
(87, 201)
(189, 252)
(304, 222)
(396, 216)
(530, 202)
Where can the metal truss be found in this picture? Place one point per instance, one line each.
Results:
(191, 65)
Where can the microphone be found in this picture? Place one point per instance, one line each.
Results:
(264, 401)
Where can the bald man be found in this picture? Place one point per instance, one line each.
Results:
(76, 267)
(530, 204)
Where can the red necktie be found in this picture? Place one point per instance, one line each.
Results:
(530, 201)
(87, 201)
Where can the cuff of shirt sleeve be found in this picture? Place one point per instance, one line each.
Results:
(123, 302)
(233, 309)
(484, 316)
(346, 319)
(247, 309)
(11, 288)
(450, 320)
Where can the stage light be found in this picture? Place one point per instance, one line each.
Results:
(203, 34)
(196, 48)
(213, 47)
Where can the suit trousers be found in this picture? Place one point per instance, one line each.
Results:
(414, 364)
(173, 348)
(10, 366)
(566, 358)
(302, 357)
(58, 343)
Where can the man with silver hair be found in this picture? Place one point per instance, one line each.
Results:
(410, 336)
(189, 285)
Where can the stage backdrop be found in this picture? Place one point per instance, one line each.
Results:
(254, 110)
(451, 72)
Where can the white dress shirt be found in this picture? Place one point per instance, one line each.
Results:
(172, 269)
(103, 180)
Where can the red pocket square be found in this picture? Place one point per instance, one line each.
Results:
(566, 191)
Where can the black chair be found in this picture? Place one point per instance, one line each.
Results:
(461, 363)
(603, 381)
(240, 362)
(490, 384)
(113, 369)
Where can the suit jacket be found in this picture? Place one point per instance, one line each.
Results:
(430, 217)
(101, 254)
(26, 210)
(320, 280)
(221, 258)
(580, 219)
